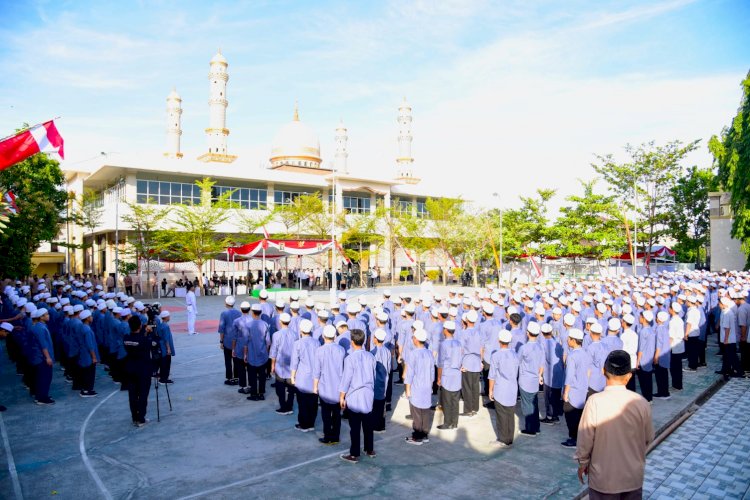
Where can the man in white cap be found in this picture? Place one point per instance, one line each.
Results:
(227, 336)
(630, 345)
(730, 364)
(241, 328)
(530, 377)
(692, 334)
(598, 352)
(166, 346)
(88, 357)
(662, 355)
(471, 365)
(192, 308)
(302, 366)
(646, 351)
(282, 344)
(383, 358)
(449, 361)
(503, 381)
(420, 373)
(356, 393)
(554, 375)
(577, 367)
(329, 367)
(41, 356)
(677, 342)
(256, 354)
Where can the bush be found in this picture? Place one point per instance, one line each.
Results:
(433, 274)
(457, 271)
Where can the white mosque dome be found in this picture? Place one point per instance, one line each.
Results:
(296, 144)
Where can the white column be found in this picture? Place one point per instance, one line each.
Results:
(174, 125)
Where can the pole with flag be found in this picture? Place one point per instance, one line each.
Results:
(41, 138)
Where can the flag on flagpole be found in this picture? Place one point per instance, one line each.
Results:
(406, 252)
(534, 264)
(42, 138)
(10, 199)
(343, 254)
(265, 232)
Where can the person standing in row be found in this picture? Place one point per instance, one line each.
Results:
(329, 368)
(256, 354)
(554, 376)
(576, 388)
(449, 376)
(383, 357)
(88, 357)
(420, 373)
(356, 393)
(530, 376)
(646, 351)
(166, 344)
(303, 360)
(282, 344)
(138, 369)
(227, 336)
(241, 335)
(471, 366)
(662, 355)
(503, 388)
(41, 356)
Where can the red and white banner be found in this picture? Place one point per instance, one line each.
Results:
(42, 138)
(406, 252)
(343, 254)
(536, 267)
(10, 199)
(276, 249)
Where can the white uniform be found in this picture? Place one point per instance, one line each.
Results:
(192, 311)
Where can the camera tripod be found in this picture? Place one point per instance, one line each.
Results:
(169, 399)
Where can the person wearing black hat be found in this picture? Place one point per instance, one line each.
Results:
(614, 433)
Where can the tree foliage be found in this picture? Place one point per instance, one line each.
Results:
(306, 215)
(591, 226)
(193, 235)
(689, 221)
(731, 153)
(38, 184)
(144, 221)
(88, 213)
(525, 229)
(446, 218)
(643, 184)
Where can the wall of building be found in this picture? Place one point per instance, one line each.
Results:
(726, 252)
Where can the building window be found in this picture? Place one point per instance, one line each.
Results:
(356, 204)
(286, 197)
(176, 193)
(404, 207)
(422, 209)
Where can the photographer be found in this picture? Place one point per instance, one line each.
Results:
(138, 369)
(166, 344)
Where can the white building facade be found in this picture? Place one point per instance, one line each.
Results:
(726, 252)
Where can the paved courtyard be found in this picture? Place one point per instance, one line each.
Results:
(216, 444)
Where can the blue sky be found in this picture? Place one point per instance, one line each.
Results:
(519, 92)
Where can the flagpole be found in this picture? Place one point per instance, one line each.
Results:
(334, 267)
(263, 245)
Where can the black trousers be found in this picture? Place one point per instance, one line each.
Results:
(389, 388)
(257, 379)
(41, 380)
(228, 364)
(745, 353)
(661, 374)
(307, 402)
(165, 366)
(138, 389)
(646, 381)
(116, 367)
(240, 372)
(421, 422)
(702, 353)
(552, 402)
(485, 379)
(572, 419)
(378, 415)
(692, 347)
(449, 402)
(88, 376)
(363, 422)
(505, 422)
(330, 413)
(285, 391)
(470, 391)
(730, 363)
(675, 370)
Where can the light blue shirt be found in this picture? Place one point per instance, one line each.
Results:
(449, 359)
(358, 381)
(420, 374)
(504, 371)
(576, 376)
(303, 361)
(328, 370)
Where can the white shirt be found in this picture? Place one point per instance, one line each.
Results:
(677, 334)
(190, 302)
(693, 318)
(630, 345)
(728, 322)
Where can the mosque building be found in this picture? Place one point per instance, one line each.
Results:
(295, 167)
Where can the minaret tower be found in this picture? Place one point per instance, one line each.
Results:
(174, 125)
(340, 163)
(403, 162)
(217, 130)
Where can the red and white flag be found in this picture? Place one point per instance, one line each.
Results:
(534, 264)
(10, 199)
(42, 138)
(265, 232)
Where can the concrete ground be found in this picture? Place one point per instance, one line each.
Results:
(216, 444)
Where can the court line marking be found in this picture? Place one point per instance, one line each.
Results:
(11, 462)
(82, 448)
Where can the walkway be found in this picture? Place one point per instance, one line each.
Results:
(707, 456)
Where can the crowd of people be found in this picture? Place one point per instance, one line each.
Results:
(490, 347)
(78, 325)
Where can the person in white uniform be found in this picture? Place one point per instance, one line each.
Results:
(192, 309)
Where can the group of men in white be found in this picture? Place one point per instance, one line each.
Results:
(504, 343)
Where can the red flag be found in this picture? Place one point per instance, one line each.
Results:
(42, 138)
(534, 264)
(10, 199)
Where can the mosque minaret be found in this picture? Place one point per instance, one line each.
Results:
(217, 130)
(174, 125)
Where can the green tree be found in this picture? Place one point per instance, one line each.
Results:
(144, 221)
(525, 229)
(38, 184)
(305, 215)
(472, 239)
(591, 226)
(88, 213)
(689, 213)
(731, 153)
(395, 224)
(446, 217)
(359, 234)
(192, 236)
(644, 183)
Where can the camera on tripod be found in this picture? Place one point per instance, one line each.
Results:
(152, 312)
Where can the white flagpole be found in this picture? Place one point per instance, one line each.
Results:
(264, 263)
